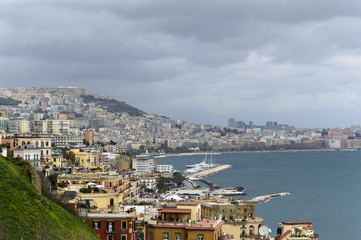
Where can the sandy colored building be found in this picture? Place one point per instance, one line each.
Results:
(175, 224)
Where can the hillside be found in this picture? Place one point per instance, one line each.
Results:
(112, 105)
(25, 214)
(8, 101)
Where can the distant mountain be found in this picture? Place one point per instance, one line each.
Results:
(112, 105)
(8, 101)
(26, 214)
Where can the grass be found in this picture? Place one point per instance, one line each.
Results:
(26, 214)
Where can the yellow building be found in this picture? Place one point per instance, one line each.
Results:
(298, 230)
(102, 191)
(175, 224)
(195, 209)
(89, 160)
(57, 160)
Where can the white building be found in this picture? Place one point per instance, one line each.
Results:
(149, 183)
(165, 168)
(144, 165)
(32, 155)
(4, 152)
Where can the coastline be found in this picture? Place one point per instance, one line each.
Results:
(260, 151)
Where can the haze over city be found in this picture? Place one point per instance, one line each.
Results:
(295, 62)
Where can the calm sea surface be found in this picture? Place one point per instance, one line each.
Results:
(325, 186)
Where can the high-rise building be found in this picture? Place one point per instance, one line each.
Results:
(231, 123)
(88, 136)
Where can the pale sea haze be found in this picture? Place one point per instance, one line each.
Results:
(325, 186)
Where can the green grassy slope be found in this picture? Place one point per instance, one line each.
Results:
(25, 214)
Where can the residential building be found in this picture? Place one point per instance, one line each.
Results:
(113, 226)
(165, 168)
(57, 160)
(33, 155)
(144, 165)
(175, 224)
(88, 136)
(298, 230)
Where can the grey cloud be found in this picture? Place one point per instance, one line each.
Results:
(196, 60)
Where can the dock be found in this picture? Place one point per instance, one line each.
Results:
(205, 173)
(265, 198)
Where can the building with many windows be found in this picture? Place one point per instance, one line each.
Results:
(165, 168)
(113, 226)
(144, 165)
(176, 224)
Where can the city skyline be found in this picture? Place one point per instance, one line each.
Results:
(203, 61)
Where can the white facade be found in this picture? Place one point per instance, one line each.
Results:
(4, 152)
(165, 168)
(149, 183)
(144, 165)
(32, 155)
(334, 143)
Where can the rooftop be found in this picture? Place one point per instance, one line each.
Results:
(89, 176)
(175, 210)
(202, 224)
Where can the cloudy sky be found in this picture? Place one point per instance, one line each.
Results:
(296, 62)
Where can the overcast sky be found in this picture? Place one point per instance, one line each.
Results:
(296, 62)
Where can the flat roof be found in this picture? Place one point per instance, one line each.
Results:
(175, 210)
(88, 176)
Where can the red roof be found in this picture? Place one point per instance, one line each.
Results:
(285, 235)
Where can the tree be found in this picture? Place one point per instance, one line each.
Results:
(86, 142)
(71, 156)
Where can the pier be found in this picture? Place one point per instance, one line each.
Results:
(205, 173)
(265, 198)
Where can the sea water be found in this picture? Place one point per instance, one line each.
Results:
(325, 186)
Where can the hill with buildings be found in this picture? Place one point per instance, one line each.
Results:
(112, 105)
(8, 101)
(26, 214)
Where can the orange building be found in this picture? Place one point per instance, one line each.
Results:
(88, 136)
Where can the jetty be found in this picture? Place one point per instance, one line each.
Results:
(207, 172)
(265, 198)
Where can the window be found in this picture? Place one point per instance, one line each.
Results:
(133, 226)
(124, 224)
(112, 203)
(110, 237)
(200, 237)
(165, 236)
(150, 235)
(42, 144)
(177, 236)
(54, 159)
(110, 226)
(124, 237)
(96, 225)
(239, 210)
